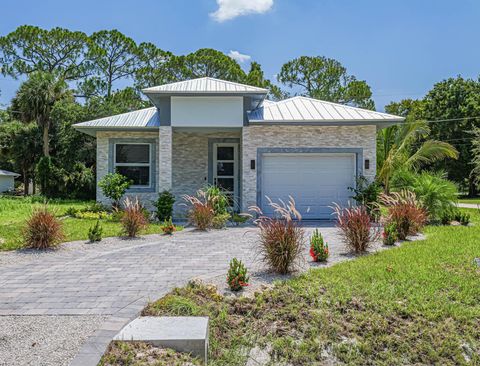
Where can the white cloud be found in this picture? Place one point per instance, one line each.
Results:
(239, 57)
(229, 9)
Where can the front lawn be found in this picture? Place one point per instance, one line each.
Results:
(14, 211)
(415, 304)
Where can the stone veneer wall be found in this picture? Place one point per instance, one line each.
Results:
(254, 137)
(190, 163)
(103, 138)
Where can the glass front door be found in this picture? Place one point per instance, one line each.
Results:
(225, 170)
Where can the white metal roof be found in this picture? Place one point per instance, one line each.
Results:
(147, 117)
(204, 86)
(304, 109)
(7, 173)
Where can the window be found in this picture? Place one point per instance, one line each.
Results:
(134, 162)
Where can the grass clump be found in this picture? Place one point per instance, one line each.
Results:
(42, 230)
(133, 219)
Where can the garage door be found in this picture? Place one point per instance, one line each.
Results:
(315, 181)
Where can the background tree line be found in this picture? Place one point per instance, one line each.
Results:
(72, 77)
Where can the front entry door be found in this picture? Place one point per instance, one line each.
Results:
(225, 170)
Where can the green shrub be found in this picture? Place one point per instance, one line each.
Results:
(435, 193)
(133, 219)
(95, 232)
(217, 199)
(238, 219)
(366, 194)
(237, 276)
(167, 227)
(71, 211)
(164, 205)
(318, 247)
(219, 221)
(42, 230)
(114, 186)
(95, 207)
(463, 218)
(390, 233)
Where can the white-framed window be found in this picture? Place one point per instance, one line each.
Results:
(134, 160)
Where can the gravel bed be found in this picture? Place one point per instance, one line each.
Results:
(44, 340)
(261, 278)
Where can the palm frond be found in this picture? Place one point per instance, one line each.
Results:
(431, 151)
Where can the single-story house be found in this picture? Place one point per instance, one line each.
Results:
(219, 132)
(7, 180)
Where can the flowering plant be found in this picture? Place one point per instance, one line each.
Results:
(390, 233)
(167, 227)
(237, 277)
(318, 248)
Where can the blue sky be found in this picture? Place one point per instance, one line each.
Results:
(400, 47)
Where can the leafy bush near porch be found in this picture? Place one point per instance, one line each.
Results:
(133, 219)
(281, 238)
(164, 206)
(356, 227)
(405, 212)
(432, 190)
(114, 186)
(42, 230)
(367, 193)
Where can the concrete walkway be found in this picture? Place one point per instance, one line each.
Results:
(469, 205)
(118, 280)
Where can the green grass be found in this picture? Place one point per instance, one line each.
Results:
(14, 211)
(470, 200)
(415, 304)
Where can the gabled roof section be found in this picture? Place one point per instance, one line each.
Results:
(147, 117)
(205, 85)
(8, 174)
(303, 109)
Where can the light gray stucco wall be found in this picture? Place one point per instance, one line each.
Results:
(190, 163)
(6, 183)
(274, 136)
(103, 142)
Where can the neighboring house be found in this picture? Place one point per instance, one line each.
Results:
(7, 180)
(214, 131)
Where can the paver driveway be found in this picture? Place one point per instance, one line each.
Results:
(104, 282)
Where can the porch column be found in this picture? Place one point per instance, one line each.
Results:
(165, 158)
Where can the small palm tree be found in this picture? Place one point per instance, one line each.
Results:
(402, 147)
(35, 99)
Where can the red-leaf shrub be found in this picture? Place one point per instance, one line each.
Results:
(42, 230)
(133, 219)
(281, 238)
(405, 212)
(356, 227)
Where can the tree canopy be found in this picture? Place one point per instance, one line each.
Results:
(326, 79)
(29, 49)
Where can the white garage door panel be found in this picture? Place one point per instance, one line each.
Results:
(315, 181)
